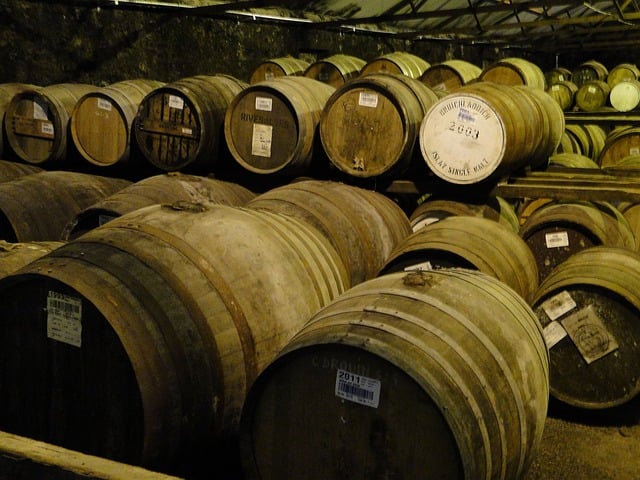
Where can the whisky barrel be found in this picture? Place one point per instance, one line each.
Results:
(450, 75)
(625, 96)
(585, 139)
(557, 74)
(408, 380)
(369, 126)
(592, 95)
(37, 123)
(179, 126)
(270, 127)
(631, 213)
(13, 170)
(437, 207)
(399, 63)
(571, 160)
(159, 189)
(589, 308)
(7, 92)
(468, 242)
(278, 67)
(514, 71)
(155, 325)
(619, 144)
(102, 121)
(484, 130)
(564, 93)
(588, 71)
(15, 255)
(622, 72)
(37, 207)
(335, 70)
(363, 225)
(558, 230)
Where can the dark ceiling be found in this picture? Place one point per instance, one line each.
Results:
(550, 25)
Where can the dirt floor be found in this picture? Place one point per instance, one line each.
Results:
(589, 445)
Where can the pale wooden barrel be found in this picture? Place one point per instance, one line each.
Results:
(564, 93)
(370, 125)
(623, 72)
(514, 71)
(37, 122)
(102, 121)
(592, 95)
(572, 160)
(450, 75)
(408, 380)
(625, 96)
(278, 67)
(270, 127)
(398, 62)
(556, 75)
(335, 70)
(10, 170)
(585, 139)
(620, 143)
(7, 91)
(15, 255)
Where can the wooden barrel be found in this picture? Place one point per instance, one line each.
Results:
(450, 75)
(157, 323)
(335, 70)
(102, 121)
(436, 207)
(592, 96)
(625, 96)
(13, 170)
(588, 71)
(571, 160)
(7, 92)
(484, 130)
(159, 189)
(270, 127)
(556, 75)
(408, 382)
(631, 213)
(589, 308)
(623, 72)
(564, 93)
(514, 71)
(278, 67)
(468, 242)
(398, 62)
(364, 226)
(179, 126)
(37, 207)
(37, 122)
(369, 126)
(585, 139)
(557, 230)
(14, 256)
(620, 143)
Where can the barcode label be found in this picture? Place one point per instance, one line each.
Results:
(557, 239)
(176, 102)
(368, 99)
(264, 104)
(357, 388)
(421, 267)
(64, 318)
(104, 104)
(47, 128)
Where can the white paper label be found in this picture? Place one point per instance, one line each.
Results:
(556, 239)
(358, 389)
(47, 128)
(589, 334)
(176, 102)
(558, 305)
(368, 99)
(104, 104)
(64, 318)
(187, 131)
(591, 89)
(424, 222)
(634, 151)
(264, 104)
(261, 140)
(555, 88)
(39, 112)
(419, 267)
(553, 333)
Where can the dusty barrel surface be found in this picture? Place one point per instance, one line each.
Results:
(13, 170)
(450, 75)
(335, 70)
(159, 189)
(588, 307)
(14, 256)
(407, 380)
(270, 127)
(619, 143)
(278, 67)
(399, 63)
(102, 121)
(7, 91)
(469, 242)
(156, 324)
(369, 126)
(180, 125)
(485, 130)
(363, 225)
(37, 207)
(557, 230)
(37, 122)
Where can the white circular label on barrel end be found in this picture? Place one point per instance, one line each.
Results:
(462, 139)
